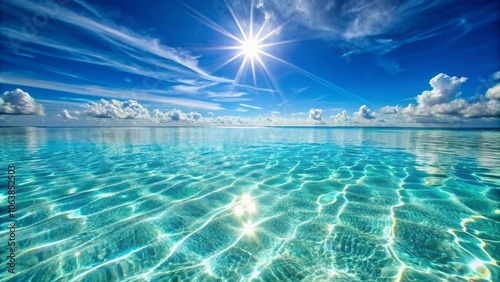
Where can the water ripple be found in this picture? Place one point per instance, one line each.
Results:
(309, 205)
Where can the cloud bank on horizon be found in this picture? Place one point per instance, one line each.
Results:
(319, 63)
(440, 105)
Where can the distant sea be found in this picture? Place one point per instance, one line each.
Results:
(251, 204)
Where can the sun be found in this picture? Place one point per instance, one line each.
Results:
(252, 45)
(251, 48)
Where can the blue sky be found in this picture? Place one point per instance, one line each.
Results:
(262, 62)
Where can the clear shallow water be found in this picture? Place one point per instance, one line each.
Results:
(257, 204)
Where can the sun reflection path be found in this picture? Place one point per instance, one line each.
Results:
(245, 209)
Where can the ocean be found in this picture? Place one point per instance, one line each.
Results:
(250, 204)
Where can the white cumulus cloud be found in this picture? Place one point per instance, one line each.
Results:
(341, 118)
(365, 112)
(175, 115)
(494, 92)
(195, 116)
(444, 88)
(115, 109)
(443, 101)
(65, 114)
(315, 114)
(482, 108)
(389, 110)
(18, 102)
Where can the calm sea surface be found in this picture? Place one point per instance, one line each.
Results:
(252, 204)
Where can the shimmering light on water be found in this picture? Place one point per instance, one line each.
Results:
(263, 204)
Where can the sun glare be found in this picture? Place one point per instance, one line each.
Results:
(251, 48)
(250, 44)
(249, 228)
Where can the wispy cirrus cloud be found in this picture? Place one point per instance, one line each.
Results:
(153, 73)
(228, 96)
(186, 89)
(160, 71)
(109, 92)
(319, 98)
(382, 25)
(251, 106)
(128, 42)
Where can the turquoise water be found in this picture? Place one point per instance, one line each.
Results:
(253, 204)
